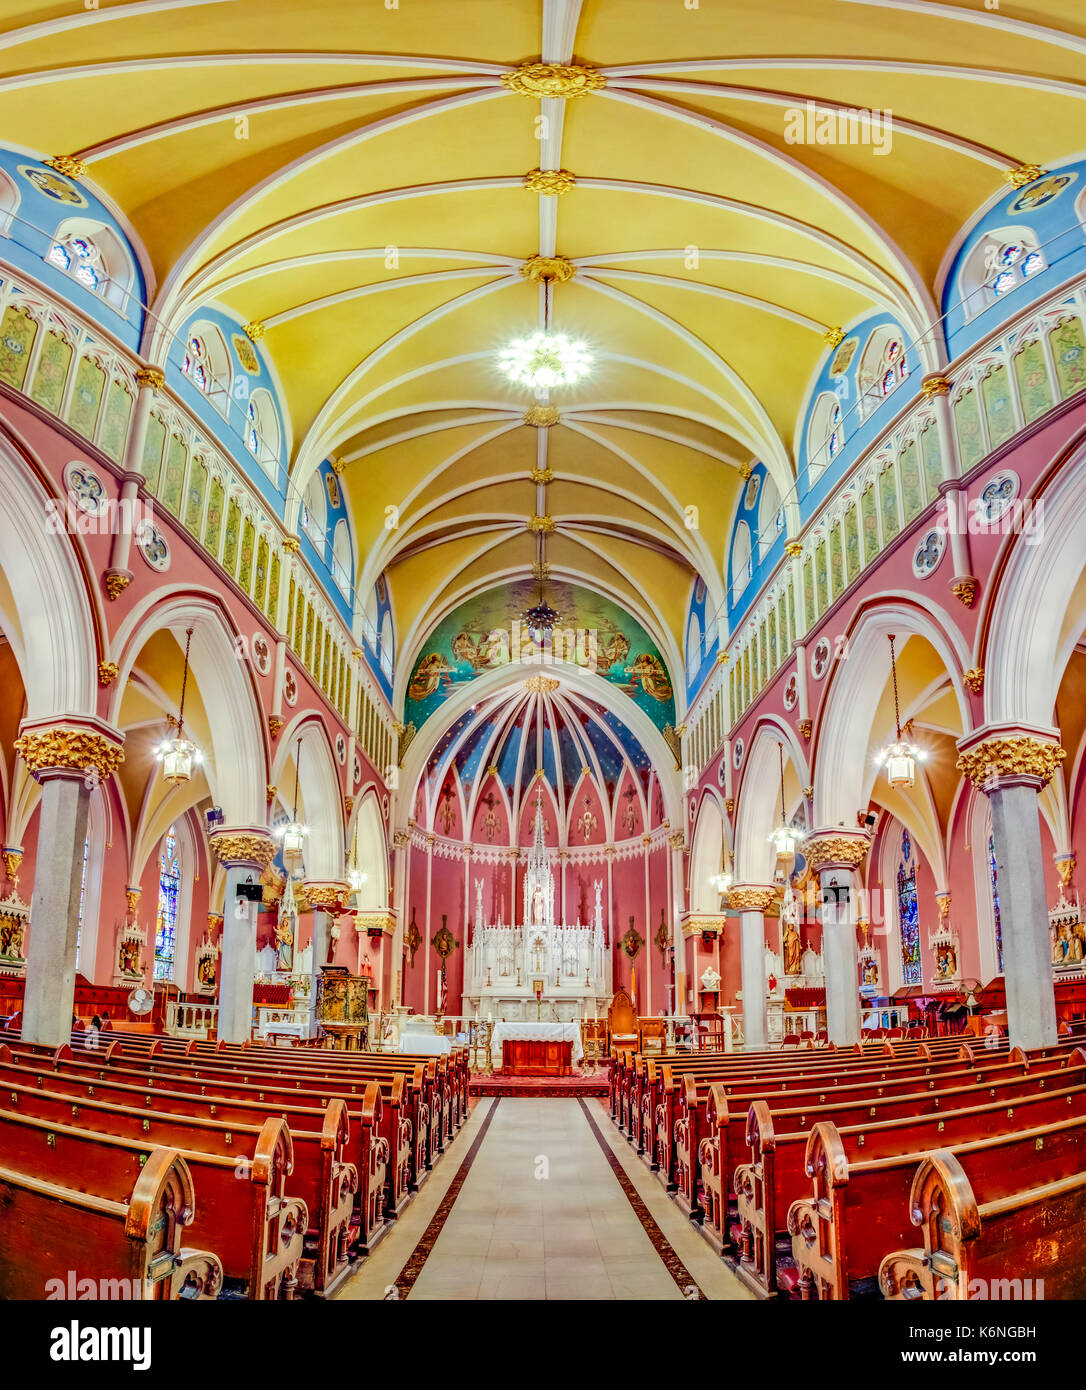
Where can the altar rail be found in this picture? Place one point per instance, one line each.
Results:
(191, 1020)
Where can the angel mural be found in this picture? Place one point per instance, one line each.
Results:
(649, 670)
(432, 671)
(613, 652)
(489, 650)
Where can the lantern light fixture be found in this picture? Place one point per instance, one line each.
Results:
(293, 833)
(179, 754)
(900, 757)
(785, 837)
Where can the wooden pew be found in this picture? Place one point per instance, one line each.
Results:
(720, 1134)
(1023, 1238)
(129, 1248)
(393, 1120)
(774, 1177)
(256, 1230)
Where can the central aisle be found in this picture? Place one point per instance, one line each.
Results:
(542, 1199)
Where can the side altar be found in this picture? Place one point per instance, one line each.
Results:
(541, 969)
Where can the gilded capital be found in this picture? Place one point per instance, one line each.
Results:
(835, 850)
(935, 386)
(550, 182)
(833, 337)
(292, 545)
(116, 581)
(542, 416)
(750, 897)
(1016, 755)
(561, 81)
(965, 590)
(327, 895)
(151, 377)
(254, 331)
(107, 672)
(1024, 174)
(12, 860)
(677, 839)
(401, 839)
(793, 548)
(375, 921)
(275, 725)
(540, 685)
(66, 749)
(243, 847)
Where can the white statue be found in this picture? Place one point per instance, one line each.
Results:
(710, 980)
(539, 907)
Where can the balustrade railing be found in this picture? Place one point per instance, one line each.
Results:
(192, 1020)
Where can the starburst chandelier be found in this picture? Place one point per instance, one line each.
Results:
(899, 758)
(545, 360)
(540, 618)
(178, 754)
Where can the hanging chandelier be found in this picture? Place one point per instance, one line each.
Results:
(178, 754)
(785, 837)
(899, 758)
(356, 878)
(545, 360)
(540, 618)
(722, 882)
(293, 833)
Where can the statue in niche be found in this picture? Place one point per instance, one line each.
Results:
(539, 907)
(284, 945)
(710, 980)
(793, 950)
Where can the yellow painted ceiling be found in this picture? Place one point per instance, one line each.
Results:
(352, 176)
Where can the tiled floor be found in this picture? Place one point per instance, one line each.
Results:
(541, 1215)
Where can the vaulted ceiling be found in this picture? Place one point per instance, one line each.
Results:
(354, 177)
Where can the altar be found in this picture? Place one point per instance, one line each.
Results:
(537, 1049)
(541, 969)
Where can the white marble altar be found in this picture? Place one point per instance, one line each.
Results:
(505, 961)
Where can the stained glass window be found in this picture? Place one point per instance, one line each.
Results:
(80, 257)
(1010, 264)
(995, 903)
(82, 901)
(169, 888)
(908, 915)
(195, 363)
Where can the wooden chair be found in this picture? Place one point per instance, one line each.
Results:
(622, 1029)
(653, 1035)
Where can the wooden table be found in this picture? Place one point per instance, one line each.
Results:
(521, 1057)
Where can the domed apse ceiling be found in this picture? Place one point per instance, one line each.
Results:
(518, 732)
(592, 633)
(361, 181)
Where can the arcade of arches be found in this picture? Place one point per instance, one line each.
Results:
(715, 688)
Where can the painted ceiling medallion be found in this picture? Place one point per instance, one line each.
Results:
(542, 416)
(151, 544)
(562, 81)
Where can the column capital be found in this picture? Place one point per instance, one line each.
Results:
(1002, 753)
(326, 894)
(382, 921)
(751, 897)
(244, 845)
(80, 745)
(835, 848)
(401, 838)
(150, 378)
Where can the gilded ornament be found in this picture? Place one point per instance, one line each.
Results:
(561, 81)
(551, 182)
(745, 470)
(556, 269)
(542, 416)
(722, 658)
(107, 672)
(254, 331)
(833, 337)
(348, 806)
(1065, 867)
(338, 465)
(974, 679)
(808, 793)
(541, 523)
(943, 903)
(116, 581)
(270, 792)
(1019, 177)
(70, 165)
(541, 570)
(677, 839)
(275, 725)
(243, 847)
(541, 475)
(935, 386)
(75, 750)
(328, 896)
(793, 548)
(835, 851)
(357, 653)
(292, 545)
(965, 590)
(152, 377)
(12, 859)
(401, 839)
(444, 943)
(375, 921)
(541, 685)
(132, 898)
(1015, 756)
(750, 897)
(729, 804)
(805, 727)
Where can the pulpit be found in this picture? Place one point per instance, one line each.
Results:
(342, 1007)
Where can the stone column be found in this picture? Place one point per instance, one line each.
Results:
(68, 761)
(963, 585)
(751, 901)
(119, 576)
(676, 846)
(794, 551)
(401, 840)
(834, 854)
(1012, 765)
(244, 853)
